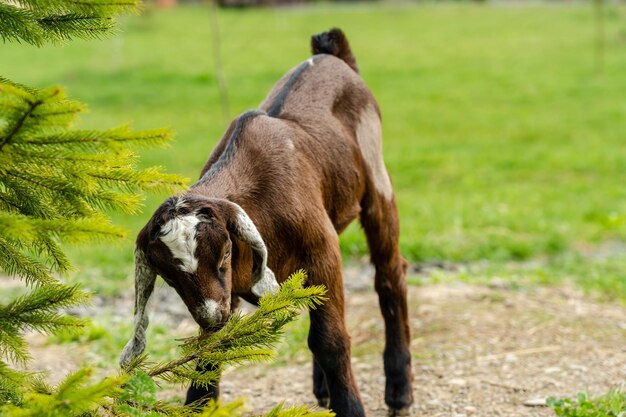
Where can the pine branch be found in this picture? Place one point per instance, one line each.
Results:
(75, 396)
(51, 194)
(19, 25)
(219, 409)
(37, 310)
(11, 384)
(16, 263)
(55, 113)
(42, 304)
(28, 229)
(100, 7)
(243, 338)
(55, 184)
(46, 247)
(149, 178)
(133, 393)
(94, 141)
(21, 88)
(20, 122)
(41, 236)
(71, 181)
(14, 346)
(40, 21)
(297, 411)
(43, 204)
(68, 26)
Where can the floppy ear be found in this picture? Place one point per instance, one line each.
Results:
(144, 286)
(263, 279)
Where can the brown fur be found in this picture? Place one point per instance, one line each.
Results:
(301, 177)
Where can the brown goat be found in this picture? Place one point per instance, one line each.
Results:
(275, 194)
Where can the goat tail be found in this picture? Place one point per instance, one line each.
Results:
(334, 42)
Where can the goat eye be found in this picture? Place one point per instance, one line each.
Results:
(227, 254)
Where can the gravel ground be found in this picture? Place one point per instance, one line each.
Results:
(477, 350)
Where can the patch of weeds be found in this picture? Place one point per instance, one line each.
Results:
(161, 344)
(416, 280)
(140, 391)
(102, 276)
(604, 276)
(434, 328)
(611, 404)
(424, 356)
(493, 298)
(105, 338)
(435, 276)
(372, 348)
(599, 273)
(88, 333)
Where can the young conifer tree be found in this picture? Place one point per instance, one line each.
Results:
(55, 185)
(56, 182)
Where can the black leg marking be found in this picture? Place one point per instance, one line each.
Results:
(199, 395)
(379, 218)
(330, 345)
(320, 387)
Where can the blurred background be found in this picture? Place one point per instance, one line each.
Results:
(504, 123)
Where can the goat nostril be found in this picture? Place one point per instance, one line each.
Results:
(210, 313)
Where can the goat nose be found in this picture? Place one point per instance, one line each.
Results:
(210, 312)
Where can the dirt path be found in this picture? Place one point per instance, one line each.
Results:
(477, 350)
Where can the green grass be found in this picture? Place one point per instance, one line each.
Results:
(503, 141)
(101, 340)
(601, 276)
(611, 404)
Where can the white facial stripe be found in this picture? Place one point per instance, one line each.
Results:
(369, 135)
(179, 235)
(210, 312)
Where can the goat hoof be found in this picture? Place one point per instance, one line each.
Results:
(399, 412)
(324, 402)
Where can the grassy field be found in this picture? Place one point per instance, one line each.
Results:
(503, 140)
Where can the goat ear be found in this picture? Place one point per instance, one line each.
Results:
(144, 286)
(263, 279)
(205, 214)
